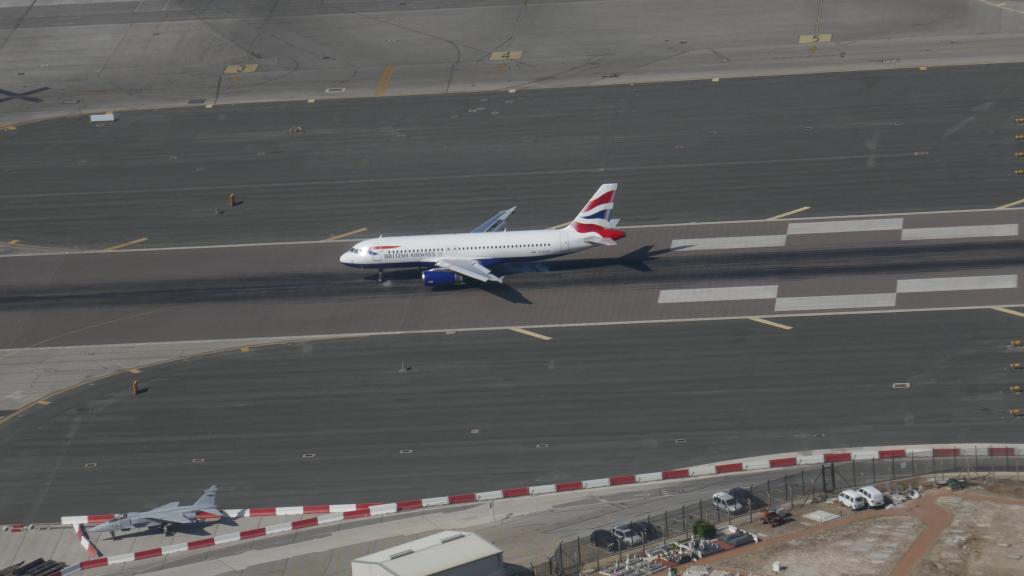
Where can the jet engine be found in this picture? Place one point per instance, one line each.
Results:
(441, 277)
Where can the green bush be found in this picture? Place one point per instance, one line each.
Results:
(704, 529)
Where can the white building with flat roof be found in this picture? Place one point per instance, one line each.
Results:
(448, 553)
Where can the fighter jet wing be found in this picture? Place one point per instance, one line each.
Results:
(469, 268)
(495, 223)
(167, 517)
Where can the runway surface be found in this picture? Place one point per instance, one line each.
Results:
(757, 268)
(866, 142)
(603, 400)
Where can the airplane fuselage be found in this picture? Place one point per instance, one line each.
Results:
(486, 248)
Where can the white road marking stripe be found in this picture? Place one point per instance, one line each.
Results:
(1016, 313)
(872, 225)
(948, 232)
(953, 284)
(729, 242)
(717, 294)
(835, 302)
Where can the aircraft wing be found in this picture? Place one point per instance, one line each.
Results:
(168, 517)
(468, 268)
(495, 223)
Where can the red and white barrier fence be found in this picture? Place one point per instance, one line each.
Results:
(340, 512)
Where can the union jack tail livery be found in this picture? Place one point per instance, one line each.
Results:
(595, 221)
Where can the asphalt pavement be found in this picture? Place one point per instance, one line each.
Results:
(477, 410)
(865, 142)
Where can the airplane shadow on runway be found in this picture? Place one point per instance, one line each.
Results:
(635, 260)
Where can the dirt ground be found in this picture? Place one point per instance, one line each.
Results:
(856, 549)
(974, 532)
(985, 538)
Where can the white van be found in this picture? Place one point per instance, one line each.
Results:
(873, 495)
(853, 500)
(726, 503)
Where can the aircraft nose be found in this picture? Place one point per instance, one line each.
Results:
(345, 258)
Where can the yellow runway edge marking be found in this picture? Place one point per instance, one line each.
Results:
(1011, 204)
(129, 243)
(43, 402)
(385, 80)
(770, 323)
(347, 234)
(244, 349)
(1009, 311)
(790, 213)
(530, 333)
(14, 242)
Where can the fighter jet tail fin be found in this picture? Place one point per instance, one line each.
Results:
(208, 501)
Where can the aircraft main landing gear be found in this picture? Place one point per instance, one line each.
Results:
(380, 275)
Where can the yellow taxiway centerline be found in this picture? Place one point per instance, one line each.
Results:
(1009, 311)
(530, 333)
(770, 323)
(347, 234)
(128, 243)
(385, 80)
(1011, 204)
(790, 213)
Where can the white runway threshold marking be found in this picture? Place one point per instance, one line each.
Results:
(836, 226)
(998, 282)
(729, 242)
(835, 302)
(951, 232)
(717, 294)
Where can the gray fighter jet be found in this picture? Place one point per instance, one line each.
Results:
(167, 516)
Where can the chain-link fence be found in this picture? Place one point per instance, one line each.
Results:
(795, 487)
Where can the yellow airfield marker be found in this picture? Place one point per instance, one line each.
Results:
(128, 243)
(790, 213)
(767, 322)
(347, 234)
(530, 333)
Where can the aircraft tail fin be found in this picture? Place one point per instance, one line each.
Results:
(208, 500)
(595, 220)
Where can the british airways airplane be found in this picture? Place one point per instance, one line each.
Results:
(451, 258)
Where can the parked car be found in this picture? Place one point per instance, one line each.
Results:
(606, 540)
(627, 535)
(873, 495)
(726, 503)
(645, 529)
(853, 500)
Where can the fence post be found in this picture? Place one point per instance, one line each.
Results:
(700, 503)
(892, 462)
(803, 486)
(682, 510)
(561, 559)
(769, 492)
(913, 464)
(579, 556)
(664, 535)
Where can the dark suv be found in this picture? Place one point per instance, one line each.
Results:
(605, 539)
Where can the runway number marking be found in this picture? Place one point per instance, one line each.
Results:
(1009, 311)
(815, 38)
(128, 243)
(347, 234)
(506, 55)
(530, 333)
(770, 323)
(241, 68)
(385, 80)
(1010, 205)
(790, 213)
